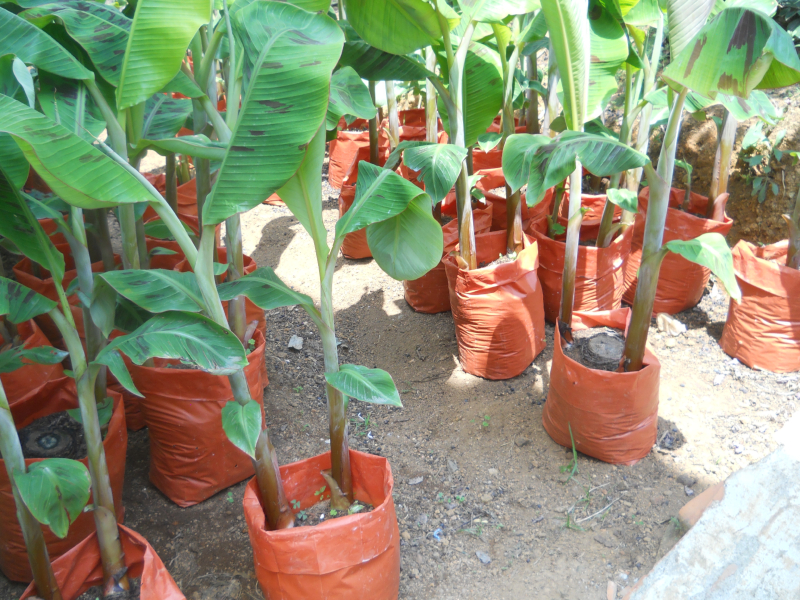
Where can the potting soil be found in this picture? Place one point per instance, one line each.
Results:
(96, 593)
(55, 436)
(321, 512)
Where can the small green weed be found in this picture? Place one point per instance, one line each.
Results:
(570, 524)
(572, 465)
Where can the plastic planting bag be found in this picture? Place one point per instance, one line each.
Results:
(599, 277)
(680, 282)
(357, 556)
(763, 330)
(497, 310)
(58, 395)
(191, 458)
(613, 416)
(80, 569)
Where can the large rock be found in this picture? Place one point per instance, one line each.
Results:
(745, 541)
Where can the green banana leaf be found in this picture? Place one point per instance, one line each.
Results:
(609, 50)
(75, 170)
(157, 290)
(542, 162)
(265, 289)
(164, 116)
(686, 18)
(483, 92)
(242, 425)
(55, 490)
(408, 245)
(191, 338)
(20, 303)
(348, 96)
(394, 26)
(368, 385)
(68, 103)
(712, 251)
(570, 35)
(303, 193)
(438, 164)
(34, 47)
(376, 65)
(11, 360)
(18, 224)
(739, 51)
(289, 57)
(102, 31)
(159, 37)
(495, 11)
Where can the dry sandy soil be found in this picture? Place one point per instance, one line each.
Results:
(492, 483)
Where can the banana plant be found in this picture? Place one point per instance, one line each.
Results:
(127, 67)
(265, 150)
(53, 491)
(470, 86)
(740, 50)
(30, 238)
(405, 241)
(568, 24)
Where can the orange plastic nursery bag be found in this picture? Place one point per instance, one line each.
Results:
(357, 556)
(497, 310)
(80, 569)
(763, 330)
(613, 416)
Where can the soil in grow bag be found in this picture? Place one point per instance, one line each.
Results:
(55, 436)
(599, 348)
(30, 415)
(322, 512)
(96, 593)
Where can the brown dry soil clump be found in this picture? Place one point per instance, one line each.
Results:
(485, 511)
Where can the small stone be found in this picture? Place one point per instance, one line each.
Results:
(415, 480)
(494, 472)
(605, 540)
(657, 500)
(452, 465)
(670, 343)
(689, 491)
(719, 379)
(669, 324)
(686, 480)
(486, 498)
(422, 519)
(483, 557)
(405, 535)
(296, 342)
(415, 573)
(738, 448)
(521, 441)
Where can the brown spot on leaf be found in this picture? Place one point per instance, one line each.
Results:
(311, 64)
(698, 48)
(745, 34)
(729, 84)
(272, 65)
(242, 149)
(256, 132)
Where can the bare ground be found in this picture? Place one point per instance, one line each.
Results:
(492, 480)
